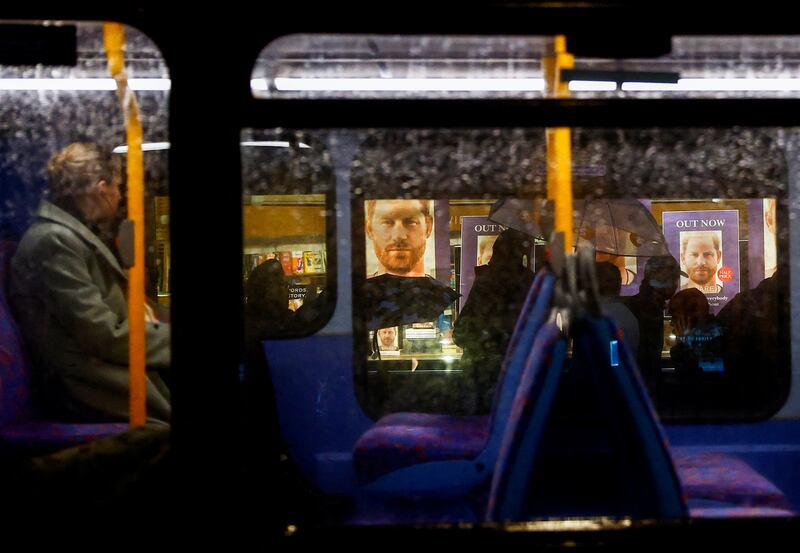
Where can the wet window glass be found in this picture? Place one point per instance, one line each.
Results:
(687, 226)
(374, 66)
(427, 237)
(535, 323)
(451, 233)
(287, 260)
(76, 287)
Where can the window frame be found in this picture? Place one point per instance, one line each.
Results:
(212, 372)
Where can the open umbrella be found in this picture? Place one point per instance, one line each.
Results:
(392, 300)
(524, 215)
(619, 227)
(615, 226)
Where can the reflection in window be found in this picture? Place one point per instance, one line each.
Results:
(725, 306)
(289, 232)
(708, 205)
(448, 230)
(286, 263)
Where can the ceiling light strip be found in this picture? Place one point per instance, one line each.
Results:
(82, 84)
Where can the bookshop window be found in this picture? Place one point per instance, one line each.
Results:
(287, 262)
(691, 235)
(425, 310)
(65, 194)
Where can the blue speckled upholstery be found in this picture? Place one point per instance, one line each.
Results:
(403, 440)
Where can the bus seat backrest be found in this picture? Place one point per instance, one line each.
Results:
(523, 431)
(402, 440)
(14, 368)
(601, 450)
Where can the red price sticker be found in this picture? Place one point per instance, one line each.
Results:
(725, 274)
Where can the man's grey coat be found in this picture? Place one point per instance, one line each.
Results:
(68, 292)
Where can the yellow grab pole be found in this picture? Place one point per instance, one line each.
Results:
(114, 41)
(559, 143)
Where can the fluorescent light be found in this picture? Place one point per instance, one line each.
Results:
(410, 85)
(592, 86)
(258, 84)
(422, 85)
(272, 144)
(153, 146)
(286, 84)
(58, 84)
(718, 85)
(81, 84)
(146, 147)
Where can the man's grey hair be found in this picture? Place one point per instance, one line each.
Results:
(76, 168)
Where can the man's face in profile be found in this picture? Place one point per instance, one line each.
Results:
(387, 337)
(701, 259)
(110, 197)
(398, 230)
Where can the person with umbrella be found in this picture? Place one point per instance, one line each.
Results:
(614, 227)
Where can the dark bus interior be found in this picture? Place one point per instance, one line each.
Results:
(283, 144)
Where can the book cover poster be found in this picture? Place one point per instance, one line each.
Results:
(297, 293)
(478, 235)
(286, 262)
(388, 339)
(706, 244)
(770, 238)
(400, 237)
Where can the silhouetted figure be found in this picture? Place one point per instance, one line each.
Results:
(266, 310)
(698, 336)
(756, 343)
(661, 279)
(609, 284)
(266, 314)
(486, 322)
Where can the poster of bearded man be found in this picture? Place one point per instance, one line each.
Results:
(706, 244)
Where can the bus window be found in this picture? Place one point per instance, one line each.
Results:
(447, 247)
(427, 249)
(287, 256)
(64, 197)
(427, 200)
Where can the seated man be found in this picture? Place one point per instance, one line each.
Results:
(69, 294)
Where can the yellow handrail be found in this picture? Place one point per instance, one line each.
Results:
(114, 42)
(559, 142)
